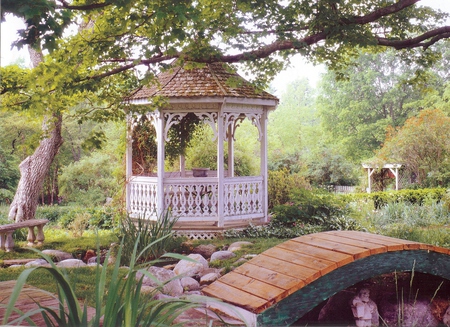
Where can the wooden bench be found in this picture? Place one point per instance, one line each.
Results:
(6, 231)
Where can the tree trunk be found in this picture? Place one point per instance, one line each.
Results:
(35, 167)
(32, 173)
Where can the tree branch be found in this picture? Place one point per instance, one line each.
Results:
(435, 35)
(66, 5)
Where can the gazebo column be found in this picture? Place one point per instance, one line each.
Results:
(220, 169)
(129, 162)
(263, 162)
(230, 152)
(160, 163)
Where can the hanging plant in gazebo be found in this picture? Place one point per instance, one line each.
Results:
(144, 148)
(180, 136)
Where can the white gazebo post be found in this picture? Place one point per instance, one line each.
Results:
(161, 138)
(129, 161)
(220, 168)
(263, 162)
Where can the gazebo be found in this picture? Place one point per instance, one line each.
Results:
(205, 201)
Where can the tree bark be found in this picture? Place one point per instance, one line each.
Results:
(35, 167)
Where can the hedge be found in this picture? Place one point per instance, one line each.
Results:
(380, 199)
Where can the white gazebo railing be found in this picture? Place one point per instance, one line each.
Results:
(197, 199)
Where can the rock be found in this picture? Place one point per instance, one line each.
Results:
(88, 255)
(446, 317)
(145, 289)
(205, 250)
(188, 268)
(71, 263)
(418, 313)
(222, 255)
(236, 246)
(172, 285)
(189, 284)
(38, 263)
(93, 264)
(209, 278)
(211, 270)
(57, 255)
(92, 260)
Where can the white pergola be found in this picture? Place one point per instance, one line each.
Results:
(219, 199)
(393, 168)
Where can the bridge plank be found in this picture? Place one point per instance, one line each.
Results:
(340, 259)
(320, 265)
(393, 244)
(254, 286)
(355, 251)
(236, 296)
(374, 248)
(269, 276)
(281, 265)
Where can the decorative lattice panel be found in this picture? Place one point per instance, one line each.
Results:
(243, 196)
(191, 199)
(198, 235)
(143, 198)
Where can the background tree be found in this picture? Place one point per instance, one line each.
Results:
(422, 146)
(375, 93)
(96, 64)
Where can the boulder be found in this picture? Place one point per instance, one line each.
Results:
(446, 317)
(38, 263)
(209, 278)
(236, 246)
(222, 255)
(189, 268)
(189, 284)
(205, 250)
(71, 263)
(172, 285)
(416, 313)
(57, 255)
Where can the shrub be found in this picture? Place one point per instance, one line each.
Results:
(310, 207)
(273, 230)
(280, 185)
(99, 217)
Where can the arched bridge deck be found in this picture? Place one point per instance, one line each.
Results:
(285, 282)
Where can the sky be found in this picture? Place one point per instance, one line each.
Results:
(299, 66)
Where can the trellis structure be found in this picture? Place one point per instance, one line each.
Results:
(390, 169)
(217, 199)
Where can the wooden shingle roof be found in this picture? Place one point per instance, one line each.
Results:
(211, 80)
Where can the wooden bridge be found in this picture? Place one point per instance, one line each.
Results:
(282, 284)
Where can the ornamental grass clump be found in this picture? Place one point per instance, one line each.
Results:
(118, 304)
(149, 231)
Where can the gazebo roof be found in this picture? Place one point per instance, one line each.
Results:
(211, 80)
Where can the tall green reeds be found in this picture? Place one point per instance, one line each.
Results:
(149, 231)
